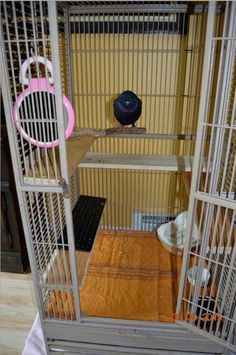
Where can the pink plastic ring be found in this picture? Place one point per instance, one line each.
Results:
(37, 85)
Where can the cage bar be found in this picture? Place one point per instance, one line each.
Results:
(179, 58)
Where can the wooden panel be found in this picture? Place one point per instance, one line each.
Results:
(13, 261)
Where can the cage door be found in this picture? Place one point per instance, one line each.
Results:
(207, 291)
(65, 182)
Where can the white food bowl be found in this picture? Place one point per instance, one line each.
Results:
(172, 234)
(192, 276)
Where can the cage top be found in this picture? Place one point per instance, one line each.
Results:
(113, 5)
(82, 4)
(115, 2)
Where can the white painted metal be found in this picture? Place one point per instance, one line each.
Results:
(15, 157)
(214, 232)
(42, 206)
(63, 158)
(34, 28)
(147, 336)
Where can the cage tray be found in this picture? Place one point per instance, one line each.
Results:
(86, 217)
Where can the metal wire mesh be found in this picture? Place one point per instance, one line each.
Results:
(220, 126)
(136, 199)
(47, 229)
(210, 305)
(209, 301)
(156, 50)
(26, 35)
(226, 179)
(156, 54)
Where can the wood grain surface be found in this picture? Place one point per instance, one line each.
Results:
(17, 311)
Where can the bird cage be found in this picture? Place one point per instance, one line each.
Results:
(102, 205)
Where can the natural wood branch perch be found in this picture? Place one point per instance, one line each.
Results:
(107, 132)
(125, 130)
(78, 132)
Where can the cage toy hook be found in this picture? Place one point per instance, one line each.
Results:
(39, 85)
(25, 66)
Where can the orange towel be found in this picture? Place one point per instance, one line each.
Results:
(130, 276)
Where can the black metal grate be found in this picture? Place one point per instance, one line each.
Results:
(86, 217)
(169, 24)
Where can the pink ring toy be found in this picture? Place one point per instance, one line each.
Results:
(40, 85)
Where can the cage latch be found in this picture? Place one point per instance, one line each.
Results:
(65, 187)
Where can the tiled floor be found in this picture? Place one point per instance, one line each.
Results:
(17, 311)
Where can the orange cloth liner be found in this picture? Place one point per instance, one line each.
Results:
(130, 276)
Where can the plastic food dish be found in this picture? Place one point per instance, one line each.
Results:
(172, 234)
(192, 276)
(40, 85)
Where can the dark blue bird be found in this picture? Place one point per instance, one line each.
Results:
(127, 108)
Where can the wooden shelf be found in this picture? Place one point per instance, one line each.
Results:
(76, 150)
(46, 170)
(138, 162)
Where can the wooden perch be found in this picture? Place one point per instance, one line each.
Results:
(107, 132)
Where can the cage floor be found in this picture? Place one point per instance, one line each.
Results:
(130, 276)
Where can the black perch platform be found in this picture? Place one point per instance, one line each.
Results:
(86, 218)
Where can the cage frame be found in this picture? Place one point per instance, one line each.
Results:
(120, 336)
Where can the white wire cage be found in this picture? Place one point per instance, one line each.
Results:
(98, 50)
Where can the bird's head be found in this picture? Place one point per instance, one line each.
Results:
(128, 98)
